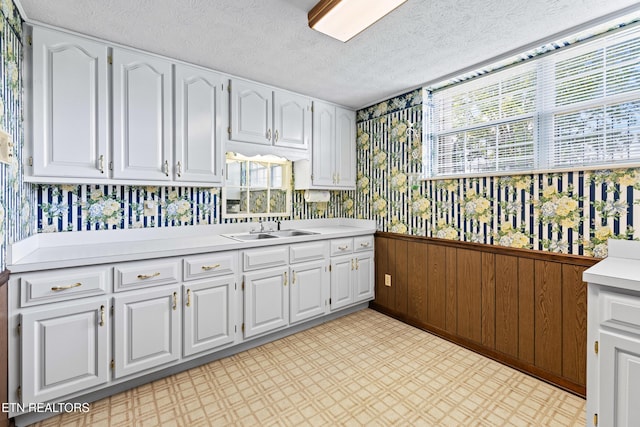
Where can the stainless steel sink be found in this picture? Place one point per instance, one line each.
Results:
(251, 236)
(269, 235)
(292, 233)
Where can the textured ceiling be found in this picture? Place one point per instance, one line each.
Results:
(269, 40)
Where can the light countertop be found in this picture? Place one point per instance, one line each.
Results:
(74, 249)
(621, 268)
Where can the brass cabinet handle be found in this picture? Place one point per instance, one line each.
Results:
(285, 278)
(148, 276)
(293, 280)
(365, 244)
(210, 267)
(276, 138)
(175, 300)
(188, 298)
(179, 169)
(166, 167)
(353, 265)
(357, 264)
(62, 288)
(102, 315)
(269, 134)
(342, 248)
(101, 163)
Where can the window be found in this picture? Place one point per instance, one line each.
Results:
(256, 187)
(576, 108)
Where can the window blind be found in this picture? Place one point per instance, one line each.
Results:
(573, 108)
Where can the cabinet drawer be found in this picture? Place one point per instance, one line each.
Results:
(363, 243)
(138, 275)
(266, 257)
(210, 265)
(311, 251)
(341, 246)
(61, 285)
(620, 311)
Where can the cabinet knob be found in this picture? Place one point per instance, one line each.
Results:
(101, 163)
(269, 134)
(285, 278)
(188, 304)
(175, 300)
(102, 315)
(179, 166)
(276, 137)
(166, 167)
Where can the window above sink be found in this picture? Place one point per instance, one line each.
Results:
(258, 186)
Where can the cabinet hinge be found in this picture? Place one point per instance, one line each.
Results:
(243, 284)
(311, 177)
(110, 59)
(595, 419)
(30, 161)
(229, 88)
(19, 392)
(111, 165)
(312, 108)
(113, 364)
(229, 130)
(330, 269)
(112, 310)
(19, 328)
(243, 328)
(596, 347)
(329, 301)
(30, 40)
(235, 328)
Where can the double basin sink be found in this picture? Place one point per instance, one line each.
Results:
(269, 235)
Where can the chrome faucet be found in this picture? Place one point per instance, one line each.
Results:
(259, 230)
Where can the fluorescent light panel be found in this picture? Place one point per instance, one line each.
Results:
(343, 19)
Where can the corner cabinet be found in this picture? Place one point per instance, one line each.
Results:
(613, 336)
(70, 104)
(333, 154)
(265, 116)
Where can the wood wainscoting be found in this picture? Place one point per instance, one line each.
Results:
(4, 348)
(524, 308)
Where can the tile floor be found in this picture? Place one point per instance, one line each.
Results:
(365, 369)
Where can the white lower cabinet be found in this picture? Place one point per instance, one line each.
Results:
(65, 349)
(209, 314)
(364, 276)
(341, 281)
(146, 330)
(619, 367)
(266, 300)
(307, 292)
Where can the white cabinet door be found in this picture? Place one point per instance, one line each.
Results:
(209, 313)
(266, 300)
(307, 292)
(345, 148)
(64, 349)
(199, 156)
(341, 281)
(619, 365)
(323, 151)
(251, 113)
(146, 329)
(292, 120)
(364, 279)
(142, 116)
(70, 106)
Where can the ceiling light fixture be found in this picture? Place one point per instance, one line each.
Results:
(343, 19)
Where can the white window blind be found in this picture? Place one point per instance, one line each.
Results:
(574, 108)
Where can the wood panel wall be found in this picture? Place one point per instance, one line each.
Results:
(4, 344)
(524, 308)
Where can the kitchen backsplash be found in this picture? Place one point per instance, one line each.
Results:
(17, 200)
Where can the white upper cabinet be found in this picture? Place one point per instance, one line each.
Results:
(251, 113)
(142, 112)
(70, 135)
(333, 154)
(268, 117)
(199, 155)
(292, 120)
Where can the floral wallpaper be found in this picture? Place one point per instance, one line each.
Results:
(16, 198)
(571, 212)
